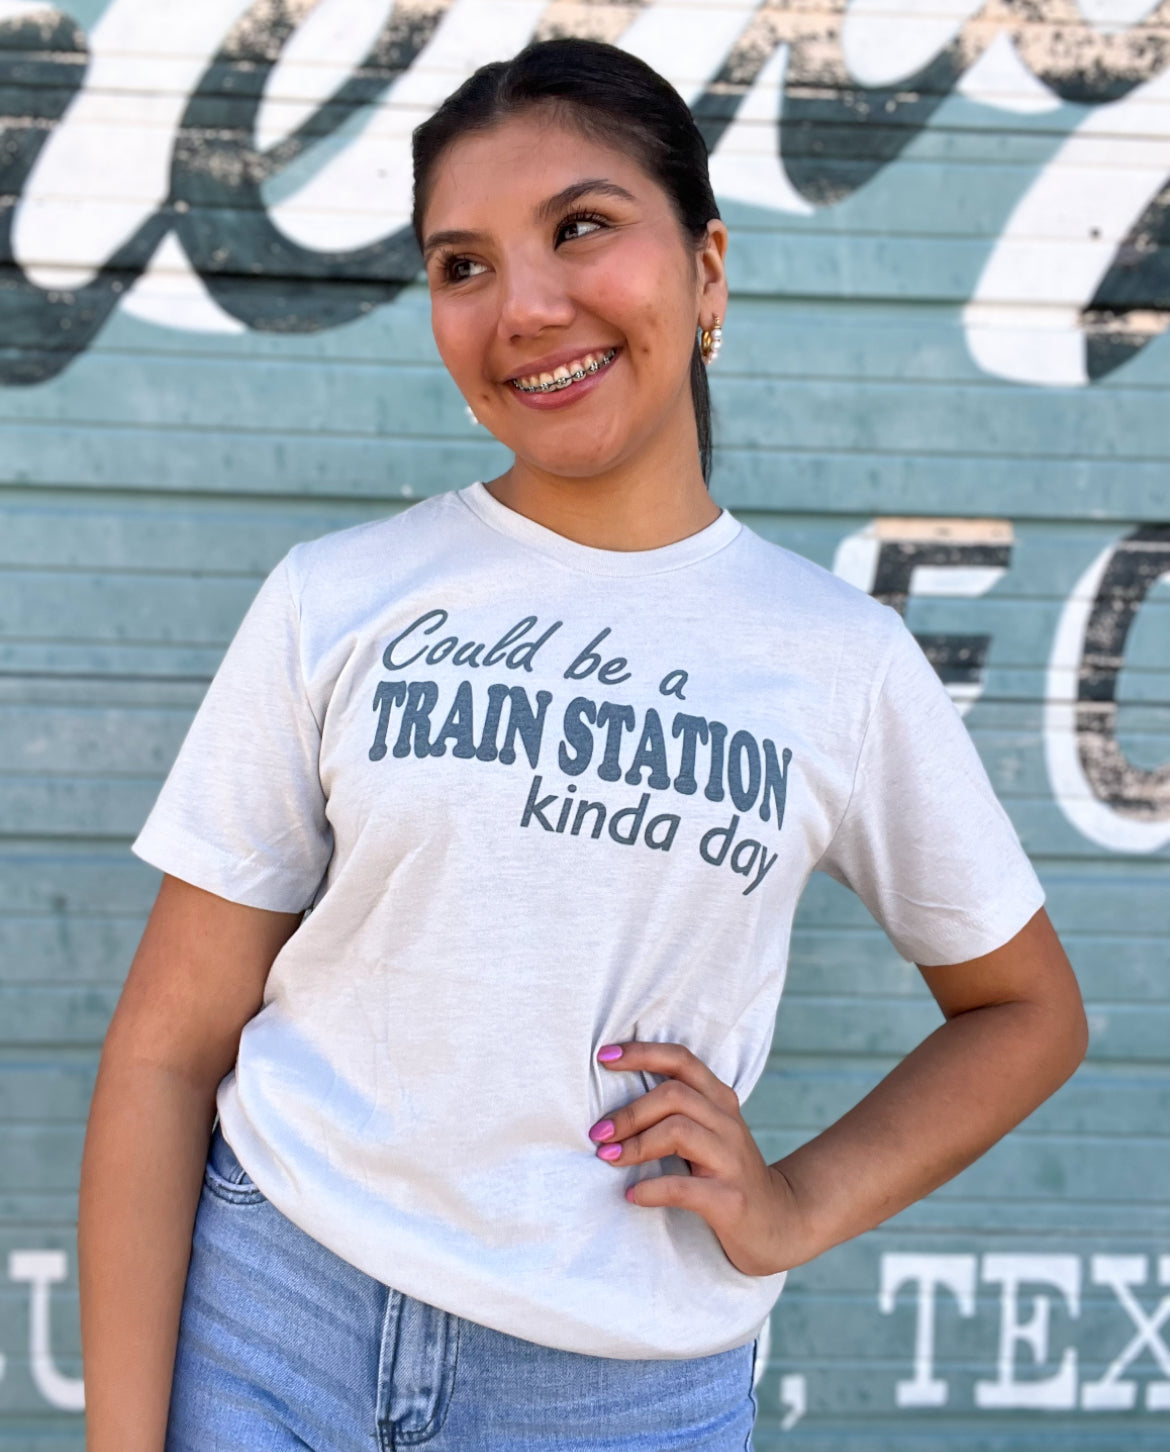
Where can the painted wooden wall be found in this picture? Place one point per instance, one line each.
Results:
(943, 376)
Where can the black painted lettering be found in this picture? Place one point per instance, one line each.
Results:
(1139, 793)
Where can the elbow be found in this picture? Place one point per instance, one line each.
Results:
(1072, 1036)
(1080, 1035)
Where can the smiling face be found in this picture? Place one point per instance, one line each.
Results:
(565, 296)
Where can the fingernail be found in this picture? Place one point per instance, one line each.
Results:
(609, 1151)
(603, 1129)
(630, 1195)
(611, 1051)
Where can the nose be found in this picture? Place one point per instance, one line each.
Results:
(533, 297)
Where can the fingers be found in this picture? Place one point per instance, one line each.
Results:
(672, 1097)
(708, 1198)
(674, 1060)
(675, 1135)
(693, 1115)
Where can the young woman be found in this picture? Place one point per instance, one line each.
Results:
(549, 761)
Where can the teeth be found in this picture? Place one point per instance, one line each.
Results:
(562, 376)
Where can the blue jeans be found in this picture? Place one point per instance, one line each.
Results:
(283, 1345)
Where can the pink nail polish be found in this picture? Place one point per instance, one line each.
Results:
(603, 1129)
(609, 1053)
(630, 1195)
(610, 1151)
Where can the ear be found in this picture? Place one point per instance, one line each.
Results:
(712, 272)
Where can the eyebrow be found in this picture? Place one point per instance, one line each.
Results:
(591, 186)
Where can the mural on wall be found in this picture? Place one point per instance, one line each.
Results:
(240, 167)
(894, 558)
(1109, 799)
(1117, 804)
(1024, 1340)
(212, 166)
(1027, 1367)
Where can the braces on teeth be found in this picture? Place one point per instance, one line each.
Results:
(558, 383)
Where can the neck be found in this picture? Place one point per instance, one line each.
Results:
(642, 503)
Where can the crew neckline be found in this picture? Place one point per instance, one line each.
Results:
(699, 546)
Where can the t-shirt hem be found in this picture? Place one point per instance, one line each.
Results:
(180, 854)
(986, 935)
(395, 1256)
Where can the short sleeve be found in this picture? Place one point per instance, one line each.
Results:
(242, 811)
(924, 841)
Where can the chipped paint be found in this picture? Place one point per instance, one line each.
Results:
(836, 136)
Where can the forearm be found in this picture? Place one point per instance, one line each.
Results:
(947, 1102)
(142, 1169)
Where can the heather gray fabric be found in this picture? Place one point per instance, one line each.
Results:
(543, 797)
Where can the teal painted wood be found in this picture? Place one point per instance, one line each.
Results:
(147, 487)
(852, 341)
(75, 532)
(42, 1434)
(809, 478)
(755, 410)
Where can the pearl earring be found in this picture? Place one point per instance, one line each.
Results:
(710, 342)
(471, 418)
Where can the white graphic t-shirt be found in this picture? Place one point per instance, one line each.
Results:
(542, 797)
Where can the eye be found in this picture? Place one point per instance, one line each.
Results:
(459, 269)
(580, 224)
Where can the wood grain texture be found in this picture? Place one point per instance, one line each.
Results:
(948, 259)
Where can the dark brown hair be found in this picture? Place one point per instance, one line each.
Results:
(612, 97)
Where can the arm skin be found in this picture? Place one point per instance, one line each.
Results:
(1015, 1030)
(198, 976)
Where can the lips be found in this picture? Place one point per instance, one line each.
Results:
(552, 379)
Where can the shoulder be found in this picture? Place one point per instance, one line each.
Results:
(799, 594)
(377, 548)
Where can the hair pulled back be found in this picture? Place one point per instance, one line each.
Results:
(610, 96)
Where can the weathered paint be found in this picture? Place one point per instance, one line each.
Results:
(943, 376)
